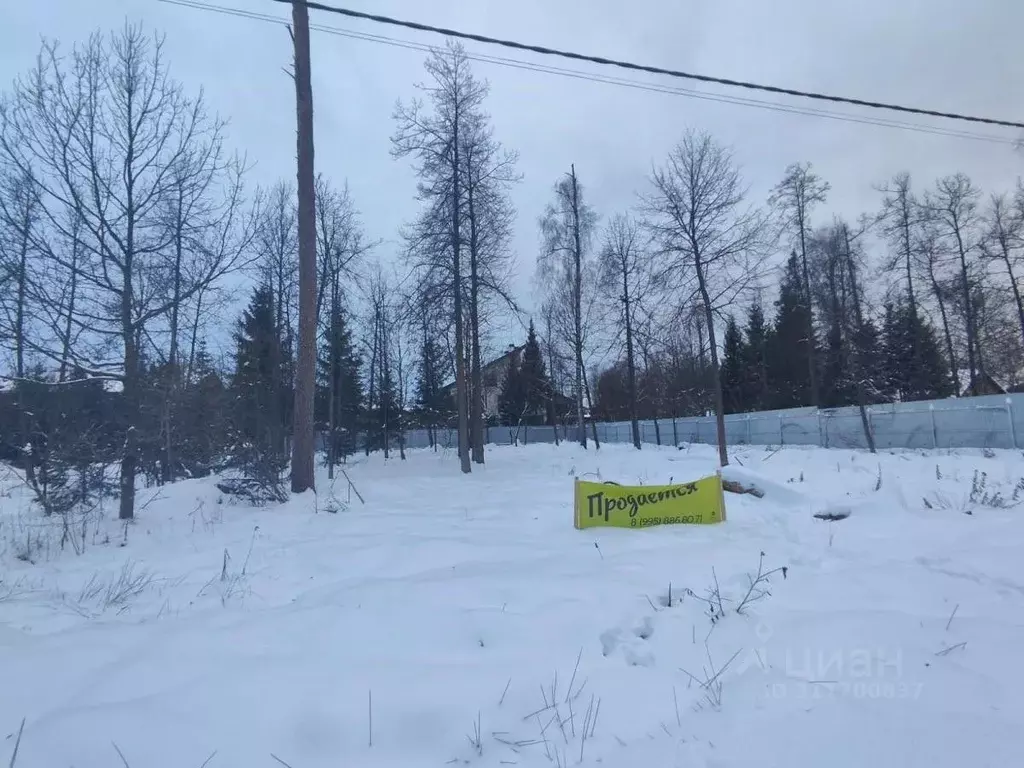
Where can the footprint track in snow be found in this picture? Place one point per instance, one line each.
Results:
(633, 642)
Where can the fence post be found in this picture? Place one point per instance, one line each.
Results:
(782, 431)
(821, 441)
(1009, 416)
(748, 429)
(675, 433)
(935, 431)
(871, 427)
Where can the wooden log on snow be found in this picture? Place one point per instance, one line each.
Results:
(734, 486)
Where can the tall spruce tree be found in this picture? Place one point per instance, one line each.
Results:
(914, 365)
(259, 435)
(733, 373)
(757, 395)
(787, 358)
(535, 384)
(339, 389)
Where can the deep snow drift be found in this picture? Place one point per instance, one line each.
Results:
(462, 620)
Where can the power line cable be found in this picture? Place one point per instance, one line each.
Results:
(546, 51)
(607, 79)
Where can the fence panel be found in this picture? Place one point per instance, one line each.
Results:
(992, 421)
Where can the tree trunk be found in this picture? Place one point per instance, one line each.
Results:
(130, 397)
(304, 440)
(477, 389)
(1015, 287)
(373, 383)
(947, 334)
(332, 385)
(460, 353)
(859, 346)
(590, 405)
(22, 289)
(972, 336)
(194, 338)
(66, 334)
(630, 362)
(709, 318)
(812, 367)
(577, 298)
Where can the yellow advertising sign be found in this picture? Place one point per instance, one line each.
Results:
(701, 502)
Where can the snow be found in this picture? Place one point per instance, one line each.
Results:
(447, 605)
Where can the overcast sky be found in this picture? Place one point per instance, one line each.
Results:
(943, 54)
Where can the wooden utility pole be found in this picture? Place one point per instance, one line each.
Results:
(304, 440)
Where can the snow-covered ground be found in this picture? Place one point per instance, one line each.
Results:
(462, 620)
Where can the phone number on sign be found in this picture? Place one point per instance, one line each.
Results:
(644, 522)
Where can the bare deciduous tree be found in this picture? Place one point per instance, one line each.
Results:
(953, 205)
(567, 271)
(707, 235)
(1004, 241)
(102, 134)
(434, 136)
(626, 272)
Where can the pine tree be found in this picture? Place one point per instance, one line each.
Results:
(338, 379)
(870, 351)
(260, 401)
(788, 373)
(757, 395)
(734, 382)
(893, 352)
(536, 388)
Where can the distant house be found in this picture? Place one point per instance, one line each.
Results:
(986, 385)
(493, 375)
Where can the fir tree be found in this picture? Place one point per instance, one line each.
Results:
(536, 388)
(339, 389)
(875, 374)
(893, 348)
(915, 367)
(734, 382)
(433, 405)
(757, 395)
(788, 351)
(260, 401)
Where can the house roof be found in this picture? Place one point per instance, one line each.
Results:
(512, 350)
(964, 375)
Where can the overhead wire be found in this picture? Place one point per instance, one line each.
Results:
(605, 61)
(607, 79)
